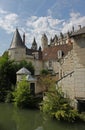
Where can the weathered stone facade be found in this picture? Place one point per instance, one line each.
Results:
(18, 52)
(64, 57)
(73, 67)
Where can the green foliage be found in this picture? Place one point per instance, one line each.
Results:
(44, 72)
(8, 69)
(70, 115)
(46, 82)
(23, 97)
(5, 54)
(56, 105)
(22, 94)
(9, 97)
(27, 65)
(82, 116)
(7, 75)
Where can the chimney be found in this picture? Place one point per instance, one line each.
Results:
(79, 26)
(24, 38)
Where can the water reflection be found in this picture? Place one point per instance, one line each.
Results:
(39, 128)
(12, 118)
(27, 120)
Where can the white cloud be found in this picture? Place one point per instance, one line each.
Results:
(8, 21)
(2, 11)
(36, 26)
(74, 20)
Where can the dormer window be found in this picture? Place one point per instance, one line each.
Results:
(60, 54)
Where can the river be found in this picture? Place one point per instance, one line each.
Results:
(12, 118)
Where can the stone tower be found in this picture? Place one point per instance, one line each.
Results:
(34, 45)
(44, 41)
(17, 48)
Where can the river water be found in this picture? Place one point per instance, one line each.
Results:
(12, 118)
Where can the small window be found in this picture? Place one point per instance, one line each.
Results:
(32, 88)
(50, 63)
(60, 54)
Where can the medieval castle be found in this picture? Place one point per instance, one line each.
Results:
(63, 57)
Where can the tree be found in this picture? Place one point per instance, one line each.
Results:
(8, 69)
(27, 65)
(23, 97)
(46, 81)
(7, 76)
(22, 94)
(56, 105)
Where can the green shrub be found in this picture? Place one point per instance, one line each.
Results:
(70, 115)
(56, 105)
(82, 116)
(23, 97)
(9, 97)
(22, 94)
(44, 72)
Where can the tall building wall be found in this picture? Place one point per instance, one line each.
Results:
(73, 81)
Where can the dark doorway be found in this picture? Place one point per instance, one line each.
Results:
(32, 88)
(81, 106)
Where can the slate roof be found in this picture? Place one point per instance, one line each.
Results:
(30, 78)
(24, 71)
(34, 42)
(17, 40)
(50, 53)
(78, 32)
(31, 51)
(28, 51)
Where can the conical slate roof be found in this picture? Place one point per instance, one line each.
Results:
(24, 71)
(17, 41)
(34, 42)
(34, 45)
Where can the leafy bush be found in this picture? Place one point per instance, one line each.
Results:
(44, 72)
(82, 116)
(56, 105)
(22, 94)
(9, 97)
(23, 97)
(70, 115)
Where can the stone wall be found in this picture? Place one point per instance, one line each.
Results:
(38, 66)
(17, 54)
(73, 67)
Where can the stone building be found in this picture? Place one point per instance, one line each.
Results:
(45, 58)
(64, 57)
(73, 68)
(18, 51)
(24, 73)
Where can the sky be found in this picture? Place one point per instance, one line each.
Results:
(35, 17)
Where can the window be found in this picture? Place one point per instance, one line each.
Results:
(50, 64)
(60, 54)
(32, 88)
